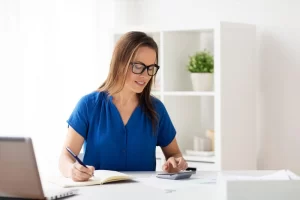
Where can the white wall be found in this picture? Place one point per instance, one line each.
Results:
(52, 53)
(11, 69)
(278, 59)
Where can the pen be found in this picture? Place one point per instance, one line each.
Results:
(75, 156)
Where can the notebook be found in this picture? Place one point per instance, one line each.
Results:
(100, 177)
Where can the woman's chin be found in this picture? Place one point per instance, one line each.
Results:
(138, 90)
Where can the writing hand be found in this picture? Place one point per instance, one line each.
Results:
(81, 173)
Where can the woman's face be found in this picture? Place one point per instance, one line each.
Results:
(137, 82)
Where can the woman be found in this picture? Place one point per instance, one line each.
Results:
(120, 124)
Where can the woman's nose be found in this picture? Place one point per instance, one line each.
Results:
(144, 74)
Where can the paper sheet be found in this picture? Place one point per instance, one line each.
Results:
(196, 181)
(279, 175)
(173, 185)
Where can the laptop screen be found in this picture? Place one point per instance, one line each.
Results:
(19, 173)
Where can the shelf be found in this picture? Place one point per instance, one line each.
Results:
(194, 112)
(206, 159)
(188, 93)
(191, 115)
(184, 93)
(178, 47)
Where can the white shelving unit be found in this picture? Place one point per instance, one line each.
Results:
(229, 110)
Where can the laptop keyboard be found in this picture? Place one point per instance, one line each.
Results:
(59, 193)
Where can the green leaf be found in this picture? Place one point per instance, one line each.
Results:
(201, 61)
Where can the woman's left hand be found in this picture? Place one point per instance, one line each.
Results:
(174, 165)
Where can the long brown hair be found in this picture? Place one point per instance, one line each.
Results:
(124, 52)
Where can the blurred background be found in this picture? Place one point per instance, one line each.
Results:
(53, 52)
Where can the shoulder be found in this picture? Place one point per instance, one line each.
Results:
(158, 106)
(93, 98)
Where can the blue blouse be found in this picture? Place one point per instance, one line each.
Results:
(108, 144)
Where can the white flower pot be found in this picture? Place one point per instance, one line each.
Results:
(202, 81)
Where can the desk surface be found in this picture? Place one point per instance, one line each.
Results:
(137, 190)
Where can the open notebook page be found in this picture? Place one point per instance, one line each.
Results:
(100, 177)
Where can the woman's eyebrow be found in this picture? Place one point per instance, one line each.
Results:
(138, 62)
(143, 63)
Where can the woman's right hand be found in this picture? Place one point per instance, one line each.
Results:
(81, 173)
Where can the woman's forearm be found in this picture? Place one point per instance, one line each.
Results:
(65, 165)
(172, 150)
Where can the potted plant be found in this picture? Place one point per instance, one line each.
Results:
(201, 66)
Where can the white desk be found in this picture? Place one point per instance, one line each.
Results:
(140, 191)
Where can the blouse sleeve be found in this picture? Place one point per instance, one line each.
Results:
(78, 119)
(166, 129)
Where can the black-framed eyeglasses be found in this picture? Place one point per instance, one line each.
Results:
(139, 68)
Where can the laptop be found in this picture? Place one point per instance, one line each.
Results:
(19, 175)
